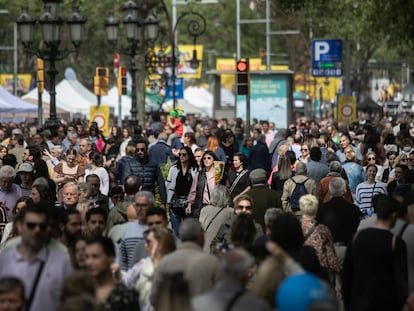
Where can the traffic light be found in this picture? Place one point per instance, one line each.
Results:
(243, 77)
(101, 81)
(122, 81)
(40, 76)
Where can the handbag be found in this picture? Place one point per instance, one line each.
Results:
(178, 205)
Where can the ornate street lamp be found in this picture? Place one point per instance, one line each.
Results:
(50, 23)
(141, 30)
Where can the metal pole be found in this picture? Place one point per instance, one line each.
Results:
(267, 35)
(133, 72)
(52, 72)
(15, 73)
(119, 111)
(238, 50)
(40, 110)
(173, 45)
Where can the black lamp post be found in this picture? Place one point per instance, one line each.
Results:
(50, 23)
(141, 30)
(196, 26)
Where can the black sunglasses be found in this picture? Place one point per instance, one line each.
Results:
(32, 225)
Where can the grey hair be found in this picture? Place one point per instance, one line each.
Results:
(301, 169)
(235, 263)
(261, 138)
(71, 184)
(220, 196)
(84, 186)
(7, 171)
(40, 181)
(337, 187)
(163, 137)
(271, 215)
(190, 230)
(149, 195)
(335, 166)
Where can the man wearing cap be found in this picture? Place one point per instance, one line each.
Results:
(262, 196)
(25, 172)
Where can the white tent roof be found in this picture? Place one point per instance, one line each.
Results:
(201, 98)
(71, 96)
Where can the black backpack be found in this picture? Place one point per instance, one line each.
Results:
(297, 193)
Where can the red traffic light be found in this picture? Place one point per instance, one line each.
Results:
(123, 71)
(242, 66)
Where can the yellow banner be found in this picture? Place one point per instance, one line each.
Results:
(101, 116)
(309, 85)
(346, 109)
(184, 56)
(22, 85)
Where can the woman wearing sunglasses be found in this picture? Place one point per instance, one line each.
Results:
(202, 186)
(178, 184)
(372, 158)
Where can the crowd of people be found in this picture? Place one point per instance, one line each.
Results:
(197, 214)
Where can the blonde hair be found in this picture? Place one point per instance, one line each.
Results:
(308, 204)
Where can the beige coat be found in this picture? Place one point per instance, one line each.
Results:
(289, 186)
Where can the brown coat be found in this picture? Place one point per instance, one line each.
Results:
(323, 191)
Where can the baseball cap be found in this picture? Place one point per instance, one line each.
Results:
(298, 292)
(25, 167)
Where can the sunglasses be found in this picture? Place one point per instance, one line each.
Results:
(304, 149)
(244, 207)
(369, 159)
(32, 225)
(182, 154)
(404, 160)
(208, 158)
(141, 149)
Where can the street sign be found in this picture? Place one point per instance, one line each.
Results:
(179, 89)
(326, 58)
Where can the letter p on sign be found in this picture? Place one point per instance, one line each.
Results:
(320, 48)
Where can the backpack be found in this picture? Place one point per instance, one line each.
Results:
(297, 193)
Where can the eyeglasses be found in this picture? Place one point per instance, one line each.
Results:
(208, 158)
(369, 159)
(246, 207)
(404, 160)
(33, 225)
(139, 205)
(182, 154)
(141, 149)
(304, 149)
(70, 194)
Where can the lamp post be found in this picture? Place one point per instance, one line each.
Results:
(49, 49)
(196, 26)
(141, 30)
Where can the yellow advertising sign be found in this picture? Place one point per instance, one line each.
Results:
(101, 116)
(309, 85)
(184, 56)
(22, 85)
(346, 109)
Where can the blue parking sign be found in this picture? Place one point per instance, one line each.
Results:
(179, 88)
(326, 58)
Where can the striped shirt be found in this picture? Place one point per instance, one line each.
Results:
(133, 234)
(364, 194)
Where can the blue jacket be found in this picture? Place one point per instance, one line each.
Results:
(150, 174)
